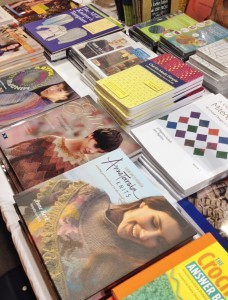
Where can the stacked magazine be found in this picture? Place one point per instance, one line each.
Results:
(187, 149)
(60, 139)
(98, 224)
(18, 50)
(6, 18)
(149, 89)
(58, 33)
(184, 43)
(212, 60)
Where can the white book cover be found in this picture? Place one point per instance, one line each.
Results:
(217, 53)
(208, 67)
(190, 145)
(6, 18)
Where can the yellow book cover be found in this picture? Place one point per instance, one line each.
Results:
(137, 88)
(197, 271)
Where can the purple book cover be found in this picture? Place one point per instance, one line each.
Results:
(72, 27)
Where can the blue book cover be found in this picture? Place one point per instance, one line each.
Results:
(209, 209)
(99, 223)
(72, 27)
(187, 40)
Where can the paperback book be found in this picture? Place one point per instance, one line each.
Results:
(26, 11)
(60, 139)
(94, 220)
(6, 18)
(30, 92)
(187, 273)
(56, 34)
(17, 45)
(153, 29)
(209, 209)
(161, 80)
(216, 53)
(195, 135)
(185, 42)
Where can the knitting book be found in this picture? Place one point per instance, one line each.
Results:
(185, 42)
(163, 78)
(209, 209)
(216, 53)
(38, 147)
(32, 91)
(153, 29)
(191, 144)
(95, 217)
(197, 270)
(6, 18)
(18, 45)
(26, 11)
(58, 33)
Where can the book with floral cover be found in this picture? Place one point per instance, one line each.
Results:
(32, 91)
(99, 223)
(60, 139)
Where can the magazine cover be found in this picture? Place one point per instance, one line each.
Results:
(26, 11)
(15, 44)
(102, 221)
(195, 271)
(189, 39)
(197, 136)
(30, 92)
(209, 209)
(63, 138)
(6, 18)
(72, 27)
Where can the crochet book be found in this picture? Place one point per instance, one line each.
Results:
(60, 139)
(32, 91)
(58, 33)
(99, 223)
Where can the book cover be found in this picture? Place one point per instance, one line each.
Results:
(6, 18)
(164, 77)
(102, 45)
(62, 138)
(32, 91)
(71, 27)
(119, 60)
(103, 221)
(155, 28)
(160, 8)
(209, 209)
(219, 12)
(195, 271)
(199, 10)
(15, 44)
(187, 40)
(197, 136)
(26, 11)
(216, 53)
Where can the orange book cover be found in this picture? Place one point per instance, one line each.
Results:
(199, 10)
(201, 263)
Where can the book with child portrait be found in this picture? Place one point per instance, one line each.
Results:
(99, 223)
(60, 139)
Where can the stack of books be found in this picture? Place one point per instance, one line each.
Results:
(149, 89)
(58, 33)
(6, 18)
(212, 60)
(184, 42)
(18, 50)
(196, 135)
(149, 32)
(103, 221)
(125, 54)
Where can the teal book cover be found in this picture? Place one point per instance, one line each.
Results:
(99, 223)
(187, 40)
